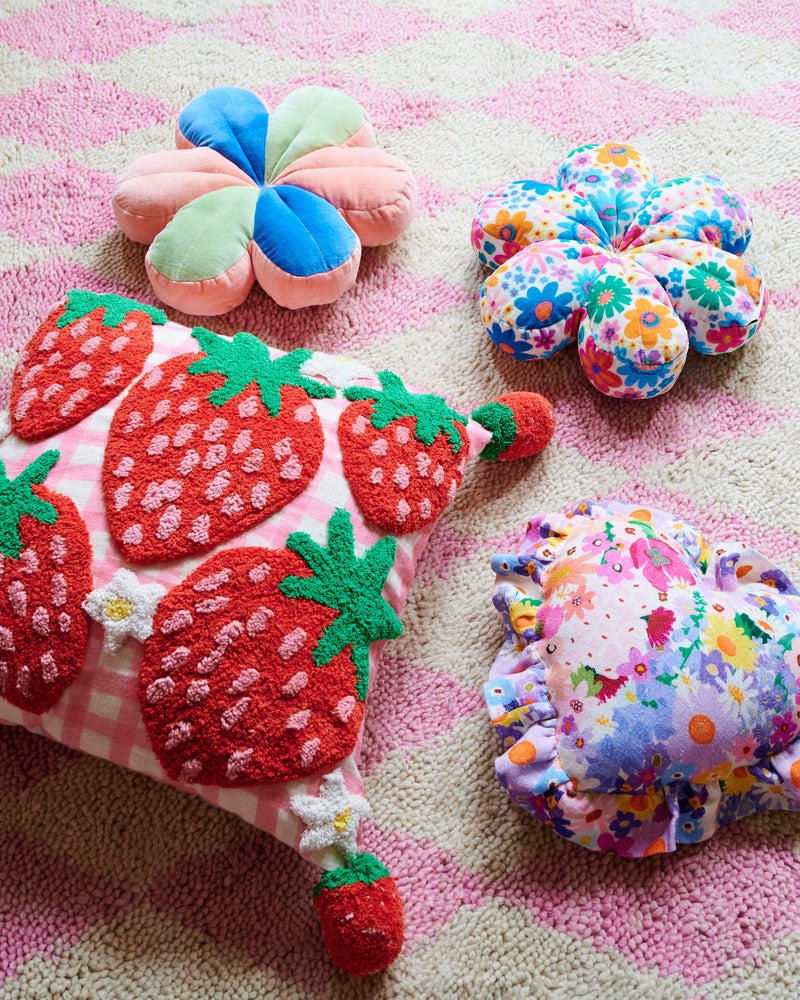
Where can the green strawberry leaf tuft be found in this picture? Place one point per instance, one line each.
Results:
(17, 498)
(246, 359)
(352, 585)
(117, 308)
(393, 401)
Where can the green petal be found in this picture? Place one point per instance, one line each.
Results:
(309, 119)
(207, 236)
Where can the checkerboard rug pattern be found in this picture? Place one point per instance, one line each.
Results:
(113, 886)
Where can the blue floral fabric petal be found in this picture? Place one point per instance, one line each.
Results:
(521, 344)
(301, 233)
(528, 305)
(631, 344)
(701, 208)
(234, 122)
(614, 178)
(630, 372)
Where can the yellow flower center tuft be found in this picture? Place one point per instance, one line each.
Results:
(117, 609)
(342, 821)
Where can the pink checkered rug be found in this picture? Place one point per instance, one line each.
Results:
(114, 886)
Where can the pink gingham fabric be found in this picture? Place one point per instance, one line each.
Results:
(99, 712)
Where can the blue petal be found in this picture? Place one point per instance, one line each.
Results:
(300, 232)
(233, 121)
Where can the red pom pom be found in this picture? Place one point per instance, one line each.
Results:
(362, 917)
(521, 423)
(535, 424)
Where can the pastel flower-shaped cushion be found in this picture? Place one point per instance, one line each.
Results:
(287, 198)
(648, 689)
(635, 271)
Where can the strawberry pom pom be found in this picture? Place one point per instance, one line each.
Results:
(521, 423)
(361, 915)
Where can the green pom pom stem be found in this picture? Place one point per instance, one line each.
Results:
(362, 868)
(500, 420)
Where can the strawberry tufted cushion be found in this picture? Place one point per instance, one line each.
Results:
(634, 271)
(285, 197)
(205, 544)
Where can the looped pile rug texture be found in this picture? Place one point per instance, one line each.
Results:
(115, 888)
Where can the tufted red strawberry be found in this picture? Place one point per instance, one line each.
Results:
(361, 914)
(87, 351)
(521, 424)
(206, 445)
(45, 576)
(258, 665)
(404, 453)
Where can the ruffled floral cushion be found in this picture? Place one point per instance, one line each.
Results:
(287, 198)
(648, 689)
(633, 270)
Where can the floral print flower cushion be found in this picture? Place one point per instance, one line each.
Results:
(648, 688)
(204, 544)
(286, 198)
(634, 271)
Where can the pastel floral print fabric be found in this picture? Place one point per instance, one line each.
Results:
(648, 688)
(636, 272)
(286, 198)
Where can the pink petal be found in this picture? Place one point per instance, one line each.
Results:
(374, 191)
(150, 191)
